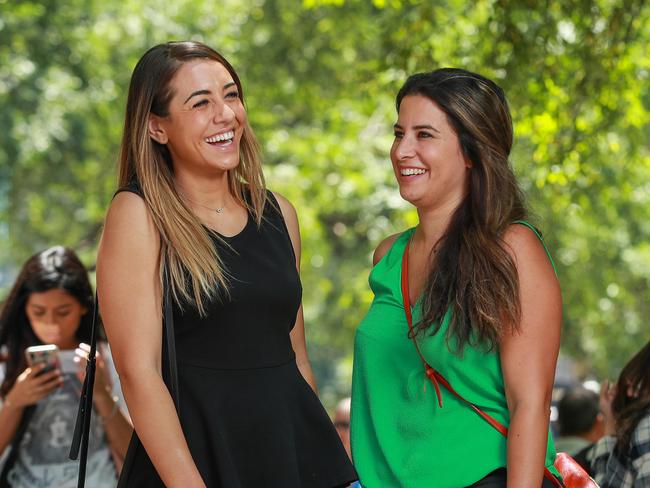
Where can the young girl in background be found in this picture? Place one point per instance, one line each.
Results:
(51, 303)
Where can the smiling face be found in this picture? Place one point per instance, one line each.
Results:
(205, 121)
(55, 316)
(426, 155)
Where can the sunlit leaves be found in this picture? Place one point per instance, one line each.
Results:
(320, 78)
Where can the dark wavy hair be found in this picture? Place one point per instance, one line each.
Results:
(632, 400)
(55, 268)
(473, 275)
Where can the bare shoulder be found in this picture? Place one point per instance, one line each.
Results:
(530, 257)
(129, 230)
(523, 244)
(383, 248)
(287, 209)
(129, 209)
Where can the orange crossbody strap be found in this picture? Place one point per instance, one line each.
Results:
(438, 379)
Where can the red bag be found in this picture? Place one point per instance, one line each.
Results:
(572, 473)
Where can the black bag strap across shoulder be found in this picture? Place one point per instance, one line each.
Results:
(82, 425)
(79, 447)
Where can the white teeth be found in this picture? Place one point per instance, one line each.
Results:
(412, 171)
(225, 136)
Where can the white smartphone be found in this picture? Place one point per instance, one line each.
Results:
(47, 354)
(66, 359)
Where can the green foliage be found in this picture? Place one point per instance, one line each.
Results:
(320, 78)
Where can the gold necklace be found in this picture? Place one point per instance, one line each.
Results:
(217, 210)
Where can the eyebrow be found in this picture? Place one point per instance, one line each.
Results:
(36, 305)
(418, 127)
(207, 92)
(196, 94)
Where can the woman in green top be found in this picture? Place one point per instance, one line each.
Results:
(485, 300)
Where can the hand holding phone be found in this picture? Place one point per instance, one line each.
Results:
(38, 380)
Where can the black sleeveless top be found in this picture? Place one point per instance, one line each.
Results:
(249, 417)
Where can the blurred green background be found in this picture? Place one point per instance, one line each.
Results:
(320, 79)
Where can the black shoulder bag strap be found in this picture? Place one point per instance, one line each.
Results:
(82, 426)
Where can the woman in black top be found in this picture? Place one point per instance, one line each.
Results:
(196, 210)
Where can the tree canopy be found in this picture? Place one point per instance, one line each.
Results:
(320, 80)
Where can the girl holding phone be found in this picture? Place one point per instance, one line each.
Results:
(51, 303)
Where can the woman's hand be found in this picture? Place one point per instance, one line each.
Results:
(103, 380)
(103, 399)
(607, 394)
(30, 386)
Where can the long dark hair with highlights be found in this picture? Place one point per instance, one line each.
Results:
(473, 276)
(632, 400)
(55, 268)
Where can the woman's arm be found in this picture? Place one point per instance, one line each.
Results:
(528, 358)
(116, 425)
(298, 332)
(130, 302)
(299, 345)
(9, 419)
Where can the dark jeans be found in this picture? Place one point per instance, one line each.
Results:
(497, 479)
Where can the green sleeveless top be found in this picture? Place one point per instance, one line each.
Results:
(400, 436)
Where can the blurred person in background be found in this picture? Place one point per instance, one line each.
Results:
(342, 422)
(51, 302)
(621, 459)
(580, 423)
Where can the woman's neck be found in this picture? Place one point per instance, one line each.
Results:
(433, 224)
(209, 191)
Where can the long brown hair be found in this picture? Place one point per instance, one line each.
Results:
(473, 276)
(54, 268)
(632, 400)
(187, 251)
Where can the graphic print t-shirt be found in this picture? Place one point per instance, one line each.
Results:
(43, 454)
